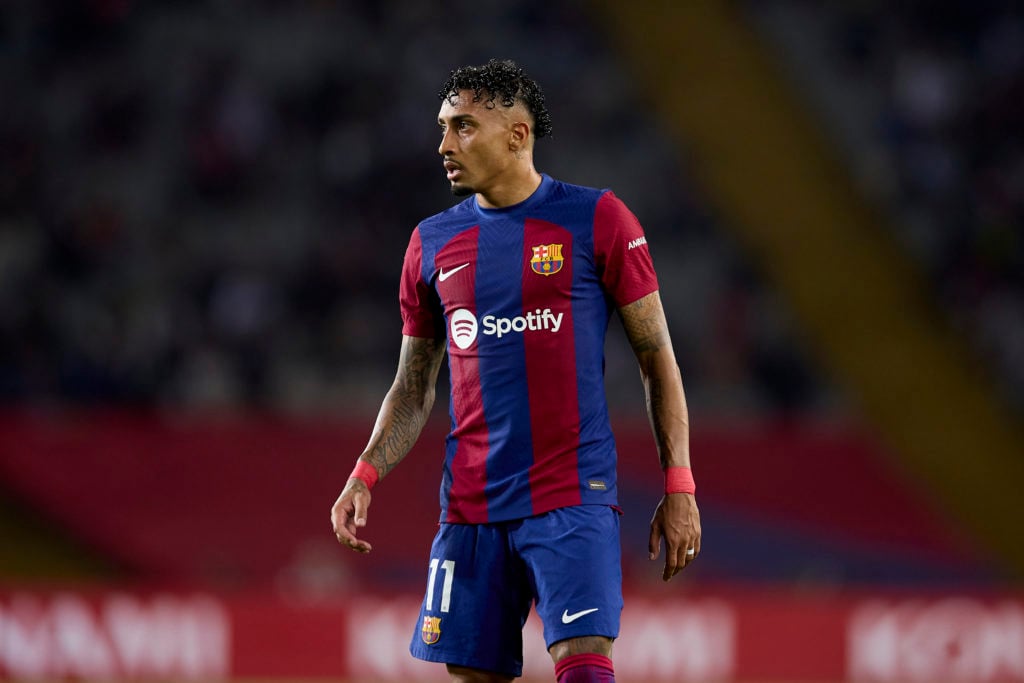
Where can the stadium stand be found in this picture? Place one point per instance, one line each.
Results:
(924, 101)
(206, 204)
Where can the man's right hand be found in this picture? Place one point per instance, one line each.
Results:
(349, 514)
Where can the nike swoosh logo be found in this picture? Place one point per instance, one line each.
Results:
(569, 618)
(442, 276)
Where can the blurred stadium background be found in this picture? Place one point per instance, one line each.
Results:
(203, 211)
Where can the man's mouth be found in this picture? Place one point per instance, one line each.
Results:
(453, 169)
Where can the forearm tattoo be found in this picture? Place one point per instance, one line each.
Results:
(666, 406)
(408, 403)
(647, 331)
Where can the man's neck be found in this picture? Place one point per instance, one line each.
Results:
(511, 193)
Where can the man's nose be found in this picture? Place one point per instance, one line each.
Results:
(446, 145)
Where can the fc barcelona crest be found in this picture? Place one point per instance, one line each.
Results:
(431, 631)
(547, 259)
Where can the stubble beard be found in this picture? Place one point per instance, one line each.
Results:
(460, 190)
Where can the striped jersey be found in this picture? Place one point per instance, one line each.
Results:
(524, 295)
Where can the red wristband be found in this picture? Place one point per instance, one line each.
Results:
(679, 480)
(365, 472)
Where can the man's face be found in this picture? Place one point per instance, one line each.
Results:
(475, 143)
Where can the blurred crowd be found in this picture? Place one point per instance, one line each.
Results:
(928, 98)
(205, 204)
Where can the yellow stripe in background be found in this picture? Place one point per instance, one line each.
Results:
(763, 163)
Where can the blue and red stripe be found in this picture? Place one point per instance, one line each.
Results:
(469, 442)
(550, 377)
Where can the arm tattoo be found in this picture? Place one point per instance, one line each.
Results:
(407, 405)
(647, 331)
(644, 322)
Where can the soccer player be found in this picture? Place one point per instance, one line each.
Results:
(517, 283)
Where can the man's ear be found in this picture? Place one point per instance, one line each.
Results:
(519, 135)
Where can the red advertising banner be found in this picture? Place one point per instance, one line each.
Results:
(721, 635)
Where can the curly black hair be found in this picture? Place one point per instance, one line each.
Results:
(500, 82)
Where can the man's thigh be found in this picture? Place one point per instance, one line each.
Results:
(476, 602)
(575, 565)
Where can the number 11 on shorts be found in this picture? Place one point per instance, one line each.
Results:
(446, 589)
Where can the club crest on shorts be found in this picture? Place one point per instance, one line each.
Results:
(547, 259)
(431, 631)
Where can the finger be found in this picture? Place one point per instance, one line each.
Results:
(345, 530)
(341, 520)
(678, 552)
(346, 537)
(654, 542)
(340, 524)
(693, 548)
(361, 547)
(672, 562)
(671, 568)
(687, 556)
(684, 558)
(360, 504)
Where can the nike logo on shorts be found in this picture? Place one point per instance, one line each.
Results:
(442, 276)
(569, 618)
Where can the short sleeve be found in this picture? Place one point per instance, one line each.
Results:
(421, 314)
(621, 253)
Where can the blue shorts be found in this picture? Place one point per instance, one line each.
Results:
(483, 578)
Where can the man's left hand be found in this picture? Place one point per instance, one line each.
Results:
(677, 521)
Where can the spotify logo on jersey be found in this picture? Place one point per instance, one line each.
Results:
(463, 328)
